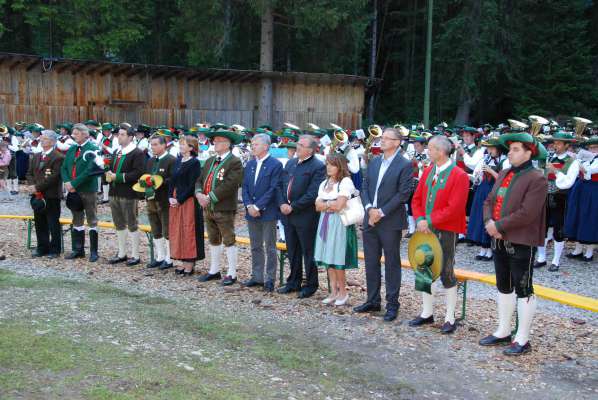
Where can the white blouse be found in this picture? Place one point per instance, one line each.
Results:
(345, 188)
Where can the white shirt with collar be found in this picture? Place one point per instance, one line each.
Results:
(472, 161)
(384, 164)
(565, 181)
(260, 161)
(441, 168)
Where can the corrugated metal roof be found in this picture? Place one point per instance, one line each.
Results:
(168, 71)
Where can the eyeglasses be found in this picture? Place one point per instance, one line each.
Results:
(388, 138)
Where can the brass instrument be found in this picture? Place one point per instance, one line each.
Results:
(313, 127)
(403, 131)
(375, 132)
(237, 128)
(292, 126)
(580, 126)
(537, 124)
(517, 125)
(339, 138)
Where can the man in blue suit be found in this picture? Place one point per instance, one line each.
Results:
(297, 196)
(260, 187)
(386, 190)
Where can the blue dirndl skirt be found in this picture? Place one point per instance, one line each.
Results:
(476, 232)
(581, 217)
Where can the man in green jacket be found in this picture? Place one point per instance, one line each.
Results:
(216, 191)
(78, 164)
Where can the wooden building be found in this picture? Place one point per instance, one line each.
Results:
(34, 89)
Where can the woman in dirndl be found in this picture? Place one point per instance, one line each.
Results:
(581, 217)
(336, 244)
(484, 177)
(185, 223)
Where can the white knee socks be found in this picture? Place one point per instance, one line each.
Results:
(506, 307)
(122, 243)
(167, 251)
(589, 251)
(105, 189)
(134, 244)
(215, 256)
(526, 307)
(428, 305)
(451, 304)
(541, 254)
(558, 250)
(159, 249)
(578, 249)
(231, 256)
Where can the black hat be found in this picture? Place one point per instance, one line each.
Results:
(38, 203)
(74, 202)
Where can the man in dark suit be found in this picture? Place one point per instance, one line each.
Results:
(296, 197)
(386, 190)
(260, 186)
(44, 173)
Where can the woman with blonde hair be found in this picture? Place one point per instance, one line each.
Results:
(336, 244)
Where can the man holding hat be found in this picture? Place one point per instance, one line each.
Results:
(439, 207)
(82, 186)
(216, 191)
(125, 170)
(561, 170)
(515, 218)
(44, 174)
(160, 164)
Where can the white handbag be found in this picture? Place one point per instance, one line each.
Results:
(353, 212)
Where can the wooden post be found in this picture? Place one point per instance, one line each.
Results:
(266, 64)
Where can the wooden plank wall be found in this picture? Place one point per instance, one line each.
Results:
(53, 97)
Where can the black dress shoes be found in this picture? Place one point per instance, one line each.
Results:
(553, 268)
(165, 266)
(419, 321)
(209, 277)
(228, 280)
(38, 253)
(367, 307)
(306, 292)
(515, 349)
(133, 261)
(492, 340)
(269, 286)
(391, 315)
(587, 259)
(539, 264)
(287, 289)
(187, 273)
(574, 256)
(53, 256)
(75, 254)
(252, 283)
(447, 328)
(154, 264)
(117, 260)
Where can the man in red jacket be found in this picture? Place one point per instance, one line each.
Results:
(439, 207)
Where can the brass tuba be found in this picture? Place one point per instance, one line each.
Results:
(537, 124)
(580, 126)
(339, 138)
(517, 125)
(375, 132)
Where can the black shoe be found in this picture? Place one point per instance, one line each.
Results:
(391, 315)
(93, 257)
(492, 340)
(419, 321)
(480, 258)
(228, 280)
(74, 255)
(38, 253)
(269, 287)
(306, 292)
(133, 261)
(251, 283)
(574, 256)
(2, 257)
(179, 271)
(515, 349)
(209, 277)
(587, 259)
(447, 328)
(461, 240)
(187, 273)
(287, 289)
(553, 268)
(538, 264)
(52, 256)
(154, 264)
(164, 265)
(487, 258)
(104, 201)
(367, 307)
(117, 259)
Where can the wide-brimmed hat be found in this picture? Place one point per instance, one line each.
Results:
(425, 256)
(563, 136)
(148, 181)
(538, 150)
(234, 137)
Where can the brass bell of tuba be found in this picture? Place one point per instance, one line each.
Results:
(517, 125)
(339, 138)
(580, 126)
(537, 124)
(375, 132)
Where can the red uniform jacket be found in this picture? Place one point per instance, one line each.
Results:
(444, 205)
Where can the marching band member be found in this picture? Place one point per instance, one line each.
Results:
(515, 217)
(141, 140)
(484, 177)
(439, 207)
(561, 170)
(582, 206)
(65, 141)
(419, 161)
(108, 143)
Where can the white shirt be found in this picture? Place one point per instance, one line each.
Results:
(64, 146)
(565, 181)
(259, 166)
(344, 188)
(472, 161)
(142, 144)
(441, 168)
(590, 167)
(383, 167)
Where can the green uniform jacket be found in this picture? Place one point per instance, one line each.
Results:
(82, 182)
(227, 181)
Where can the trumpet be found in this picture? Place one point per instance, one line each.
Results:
(537, 124)
(580, 126)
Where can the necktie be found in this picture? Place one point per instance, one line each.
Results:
(289, 188)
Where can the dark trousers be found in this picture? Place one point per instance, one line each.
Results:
(513, 264)
(556, 207)
(300, 250)
(47, 227)
(376, 241)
